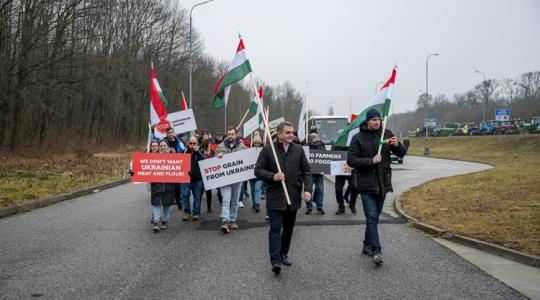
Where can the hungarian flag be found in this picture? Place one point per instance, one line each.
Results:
(184, 104)
(381, 102)
(257, 121)
(158, 103)
(236, 71)
(302, 120)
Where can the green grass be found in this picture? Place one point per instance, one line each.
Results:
(24, 179)
(501, 205)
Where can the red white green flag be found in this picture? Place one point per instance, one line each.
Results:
(158, 103)
(381, 102)
(236, 71)
(184, 103)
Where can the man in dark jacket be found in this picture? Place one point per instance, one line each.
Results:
(296, 173)
(374, 175)
(195, 183)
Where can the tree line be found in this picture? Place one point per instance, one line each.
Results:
(78, 71)
(521, 95)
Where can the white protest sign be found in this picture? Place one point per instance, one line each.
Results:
(338, 168)
(251, 125)
(182, 121)
(232, 168)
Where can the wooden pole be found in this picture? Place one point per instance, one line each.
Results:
(382, 135)
(267, 130)
(242, 121)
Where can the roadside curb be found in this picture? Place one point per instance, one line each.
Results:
(8, 211)
(521, 257)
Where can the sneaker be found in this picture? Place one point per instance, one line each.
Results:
(241, 204)
(156, 227)
(225, 228)
(195, 217)
(164, 225)
(353, 209)
(377, 259)
(267, 218)
(367, 250)
(257, 208)
(340, 211)
(233, 225)
(187, 217)
(320, 210)
(308, 211)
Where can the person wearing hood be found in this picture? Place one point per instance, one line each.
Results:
(374, 178)
(195, 183)
(318, 179)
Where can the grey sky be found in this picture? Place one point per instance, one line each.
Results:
(343, 48)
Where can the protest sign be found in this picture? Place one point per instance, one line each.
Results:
(182, 121)
(232, 168)
(338, 168)
(321, 160)
(161, 167)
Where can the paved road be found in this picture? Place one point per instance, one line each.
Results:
(101, 246)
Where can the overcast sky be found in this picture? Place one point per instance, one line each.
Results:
(343, 48)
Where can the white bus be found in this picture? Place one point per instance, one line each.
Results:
(328, 127)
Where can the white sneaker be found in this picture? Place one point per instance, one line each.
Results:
(241, 204)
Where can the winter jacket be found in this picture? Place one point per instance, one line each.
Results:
(373, 179)
(297, 175)
(226, 147)
(162, 193)
(195, 172)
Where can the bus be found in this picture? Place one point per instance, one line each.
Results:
(328, 127)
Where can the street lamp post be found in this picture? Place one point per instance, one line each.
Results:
(426, 147)
(190, 57)
(485, 85)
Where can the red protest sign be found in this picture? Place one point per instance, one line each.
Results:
(161, 167)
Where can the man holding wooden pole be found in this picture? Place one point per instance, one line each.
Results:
(282, 202)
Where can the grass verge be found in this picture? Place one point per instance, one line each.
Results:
(24, 179)
(500, 206)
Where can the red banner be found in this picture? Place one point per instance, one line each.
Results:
(161, 167)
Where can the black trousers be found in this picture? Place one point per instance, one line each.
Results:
(340, 182)
(281, 231)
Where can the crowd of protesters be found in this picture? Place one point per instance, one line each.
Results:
(368, 180)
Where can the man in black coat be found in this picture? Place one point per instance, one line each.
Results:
(374, 175)
(296, 173)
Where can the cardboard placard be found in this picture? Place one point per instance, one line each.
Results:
(232, 168)
(161, 167)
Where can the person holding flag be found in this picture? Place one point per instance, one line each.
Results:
(369, 155)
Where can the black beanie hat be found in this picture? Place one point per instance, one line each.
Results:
(372, 113)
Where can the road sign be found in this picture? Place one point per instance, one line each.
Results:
(430, 122)
(502, 114)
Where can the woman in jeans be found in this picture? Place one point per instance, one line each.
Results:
(162, 195)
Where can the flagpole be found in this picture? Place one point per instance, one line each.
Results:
(382, 135)
(242, 121)
(267, 130)
(307, 116)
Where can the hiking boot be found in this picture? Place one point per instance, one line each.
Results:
(308, 211)
(320, 210)
(187, 217)
(340, 211)
(353, 209)
(377, 259)
(367, 250)
(156, 227)
(164, 225)
(225, 228)
(196, 217)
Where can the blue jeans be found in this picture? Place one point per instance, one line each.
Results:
(229, 207)
(318, 194)
(373, 205)
(280, 234)
(157, 213)
(189, 188)
(256, 191)
(242, 191)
